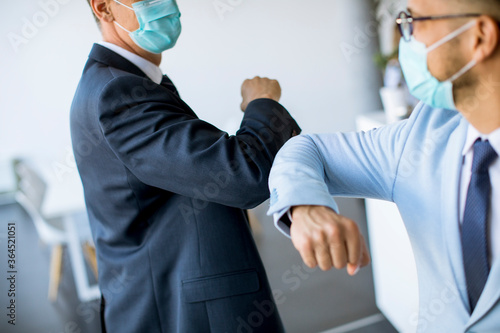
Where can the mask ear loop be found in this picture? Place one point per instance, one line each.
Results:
(121, 26)
(448, 38)
(464, 70)
(451, 36)
(124, 5)
(118, 24)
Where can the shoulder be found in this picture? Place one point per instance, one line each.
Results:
(104, 89)
(98, 76)
(111, 88)
(425, 119)
(433, 131)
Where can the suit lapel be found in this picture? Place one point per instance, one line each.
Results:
(450, 208)
(489, 297)
(451, 230)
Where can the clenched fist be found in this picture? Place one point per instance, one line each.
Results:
(259, 88)
(327, 239)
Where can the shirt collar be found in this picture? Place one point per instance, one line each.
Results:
(473, 134)
(150, 69)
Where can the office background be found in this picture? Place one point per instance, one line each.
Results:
(321, 51)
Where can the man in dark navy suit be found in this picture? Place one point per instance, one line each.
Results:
(166, 191)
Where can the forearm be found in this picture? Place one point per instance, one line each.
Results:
(166, 146)
(297, 178)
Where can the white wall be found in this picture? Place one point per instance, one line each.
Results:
(304, 44)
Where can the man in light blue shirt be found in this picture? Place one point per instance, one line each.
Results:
(440, 167)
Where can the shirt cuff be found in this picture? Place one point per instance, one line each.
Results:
(283, 221)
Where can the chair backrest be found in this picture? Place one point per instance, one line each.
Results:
(7, 177)
(31, 189)
(30, 183)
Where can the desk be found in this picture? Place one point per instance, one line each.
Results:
(394, 268)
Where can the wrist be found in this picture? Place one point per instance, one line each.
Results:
(295, 211)
(266, 96)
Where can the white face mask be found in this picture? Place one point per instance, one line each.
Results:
(422, 85)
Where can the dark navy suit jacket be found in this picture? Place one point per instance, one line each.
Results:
(166, 194)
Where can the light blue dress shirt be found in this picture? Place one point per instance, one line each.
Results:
(417, 164)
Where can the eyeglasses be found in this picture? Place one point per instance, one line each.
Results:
(405, 22)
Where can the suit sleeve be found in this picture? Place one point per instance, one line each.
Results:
(165, 145)
(311, 169)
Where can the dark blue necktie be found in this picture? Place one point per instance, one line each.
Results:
(475, 224)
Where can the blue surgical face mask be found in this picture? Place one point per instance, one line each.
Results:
(159, 24)
(422, 85)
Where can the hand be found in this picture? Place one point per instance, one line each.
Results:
(327, 239)
(259, 88)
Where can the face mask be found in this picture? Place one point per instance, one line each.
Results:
(422, 85)
(159, 24)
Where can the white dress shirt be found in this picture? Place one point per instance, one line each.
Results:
(151, 70)
(494, 215)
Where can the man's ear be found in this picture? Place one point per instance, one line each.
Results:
(486, 39)
(102, 10)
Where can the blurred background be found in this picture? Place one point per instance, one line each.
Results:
(330, 58)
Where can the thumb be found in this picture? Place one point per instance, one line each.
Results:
(353, 269)
(364, 260)
(365, 256)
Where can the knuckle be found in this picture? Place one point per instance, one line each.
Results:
(330, 228)
(351, 226)
(317, 237)
(334, 232)
(303, 245)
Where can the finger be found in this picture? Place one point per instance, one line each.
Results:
(337, 242)
(353, 239)
(339, 254)
(309, 258)
(353, 269)
(323, 257)
(304, 247)
(365, 257)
